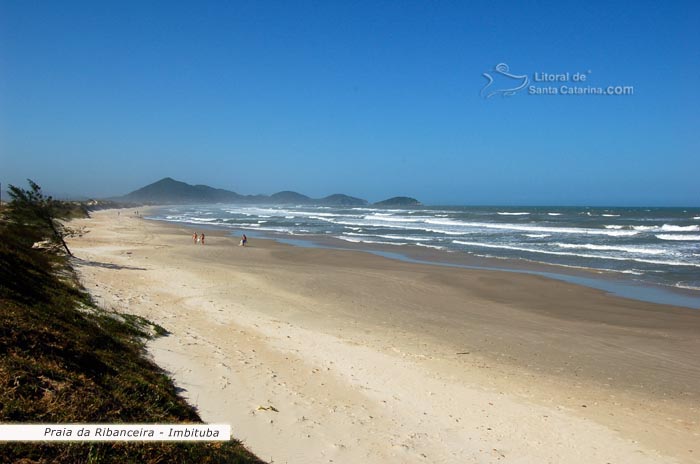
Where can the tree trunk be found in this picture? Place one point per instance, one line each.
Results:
(59, 236)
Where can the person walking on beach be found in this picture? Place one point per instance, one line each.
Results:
(202, 238)
(194, 238)
(245, 239)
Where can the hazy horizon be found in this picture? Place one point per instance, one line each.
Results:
(370, 200)
(450, 104)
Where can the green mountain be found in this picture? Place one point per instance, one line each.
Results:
(169, 190)
(288, 197)
(399, 201)
(338, 199)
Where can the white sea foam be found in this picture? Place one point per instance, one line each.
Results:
(554, 214)
(277, 229)
(405, 237)
(391, 218)
(316, 213)
(645, 228)
(625, 249)
(437, 247)
(610, 215)
(456, 227)
(686, 286)
(696, 217)
(329, 220)
(386, 225)
(283, 212)
(672, 228)
(185, 219)
(538, 235)
(390, 237)
(528, 228)
(445, 232)
(579, 255)
(377, 242)
(512, 214)
(614, 227)
(240, 224)
(678, 237)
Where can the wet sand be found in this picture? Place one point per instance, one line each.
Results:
(367, 359)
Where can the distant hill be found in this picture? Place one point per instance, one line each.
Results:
(171, 191)
(338, 199)
(399, 201)
(289, 198)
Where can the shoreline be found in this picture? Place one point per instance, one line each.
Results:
(616, 283)
(609, 281)
(456, 364)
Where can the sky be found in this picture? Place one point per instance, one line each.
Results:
(372, 99)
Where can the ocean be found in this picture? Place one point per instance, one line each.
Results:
(659, 246)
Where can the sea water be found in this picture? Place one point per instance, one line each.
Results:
(659, 246)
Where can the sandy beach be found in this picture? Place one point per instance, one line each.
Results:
(316, 355)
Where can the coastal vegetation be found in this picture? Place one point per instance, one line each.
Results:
(63, 359)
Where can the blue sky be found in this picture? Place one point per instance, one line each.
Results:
(372, 99)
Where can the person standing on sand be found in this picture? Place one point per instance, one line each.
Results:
(245, 240)
(202, 238)
(194, 238)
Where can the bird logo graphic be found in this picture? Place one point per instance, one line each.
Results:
(508, 84)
